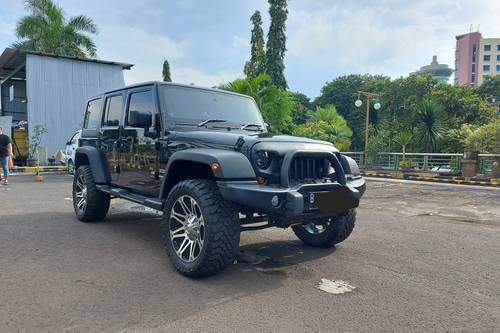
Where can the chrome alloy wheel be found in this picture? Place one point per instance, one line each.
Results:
(187, 228)
(81, 193)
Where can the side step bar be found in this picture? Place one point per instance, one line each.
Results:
(150, 202)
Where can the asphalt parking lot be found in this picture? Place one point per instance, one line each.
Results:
(421, 258)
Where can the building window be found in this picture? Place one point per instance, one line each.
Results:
(487, 47)
(473, 68)
(473, 78)
(474, 53)
(486, 68)
(498, 57)
(487, 58)
(498, 68)
(498, 47)
(486, 77)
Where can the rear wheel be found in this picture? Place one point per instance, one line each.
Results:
(89, 203)
(327, 231)
(201, 231)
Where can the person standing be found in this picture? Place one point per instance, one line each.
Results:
(5, 153)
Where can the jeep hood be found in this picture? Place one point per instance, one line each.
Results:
(267, 141)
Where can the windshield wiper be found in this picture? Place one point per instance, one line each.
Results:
(246, 126)
(204, 122)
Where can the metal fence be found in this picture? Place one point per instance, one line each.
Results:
(422, 161)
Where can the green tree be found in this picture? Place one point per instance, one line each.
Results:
(463, 105)
(166, 71)
(343, 92)
(47, 30)
(327, 125)
(485, 138)
(490, 87)
(431, 127)
(256, 65)
(302, 109)
(403, 138)
(276, 43)
(274, 103)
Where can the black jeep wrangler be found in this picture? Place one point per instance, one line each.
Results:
(206, 159)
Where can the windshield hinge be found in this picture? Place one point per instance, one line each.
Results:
(239, 143)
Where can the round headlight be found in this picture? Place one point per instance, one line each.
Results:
(262, 159)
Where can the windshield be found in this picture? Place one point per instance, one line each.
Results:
(194, 105)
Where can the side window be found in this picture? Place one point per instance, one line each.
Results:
(93, 114)
(112, 116)
(142, 101)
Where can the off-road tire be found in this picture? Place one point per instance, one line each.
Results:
(337, 231)
(221, 229)
(97, 205)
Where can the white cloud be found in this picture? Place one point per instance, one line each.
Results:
(390, 37)
(190, 75)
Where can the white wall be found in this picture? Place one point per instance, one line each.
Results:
(57, 91)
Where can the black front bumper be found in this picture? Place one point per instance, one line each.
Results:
(325, 198)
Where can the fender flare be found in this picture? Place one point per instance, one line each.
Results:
(233, 165)
(96, 159)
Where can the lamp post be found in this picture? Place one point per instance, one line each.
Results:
(376, 106)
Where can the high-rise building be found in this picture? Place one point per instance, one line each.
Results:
(466, 58)
(489, 59)
(440, 71)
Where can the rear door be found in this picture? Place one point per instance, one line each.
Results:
(109, 141)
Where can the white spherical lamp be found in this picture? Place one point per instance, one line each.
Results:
(377, 106)
(358, 103)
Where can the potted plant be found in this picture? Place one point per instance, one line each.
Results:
(405, 165)
(34, 143)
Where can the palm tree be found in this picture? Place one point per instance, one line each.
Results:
(430, 124)
(274, 103)
(47, 30)
(403, 138)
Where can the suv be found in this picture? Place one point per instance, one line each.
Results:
(207, 160)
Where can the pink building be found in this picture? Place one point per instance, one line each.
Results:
(467, 58)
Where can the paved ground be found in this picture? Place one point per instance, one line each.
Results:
(422, 258)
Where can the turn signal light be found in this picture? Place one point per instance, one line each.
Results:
(215, 167)
(261, 180)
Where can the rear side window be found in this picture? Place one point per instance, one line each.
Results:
(114, 105)
(142, 101)
(93, 114)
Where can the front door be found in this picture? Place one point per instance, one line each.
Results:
(139, 154)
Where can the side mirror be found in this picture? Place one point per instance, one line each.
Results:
(140, 119)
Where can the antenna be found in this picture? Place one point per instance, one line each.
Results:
(478, 26)
(470, 28)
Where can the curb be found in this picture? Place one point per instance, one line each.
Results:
(32, 170)
(492, 182)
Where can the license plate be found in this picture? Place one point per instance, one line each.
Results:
(338, 200)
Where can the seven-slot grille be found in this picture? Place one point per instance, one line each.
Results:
(308, 168)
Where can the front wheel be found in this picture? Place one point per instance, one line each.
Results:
(328, 231)
(201, 230)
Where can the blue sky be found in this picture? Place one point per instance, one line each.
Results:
(207, 42)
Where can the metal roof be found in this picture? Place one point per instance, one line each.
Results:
(13, 58)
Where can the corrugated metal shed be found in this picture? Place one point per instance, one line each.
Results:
(57, 91)
(57, 88)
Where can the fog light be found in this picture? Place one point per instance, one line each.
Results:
(275, 201)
